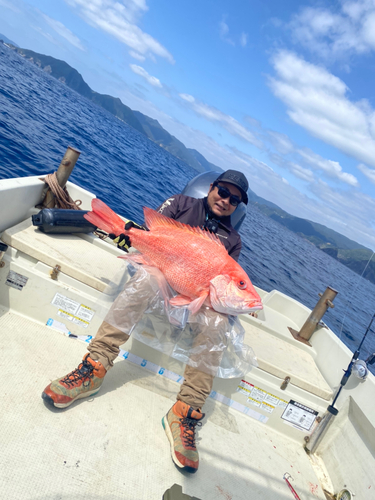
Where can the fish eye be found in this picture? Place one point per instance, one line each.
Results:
(241, 285)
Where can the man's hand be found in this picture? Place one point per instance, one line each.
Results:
(131, 224)
(123, 240)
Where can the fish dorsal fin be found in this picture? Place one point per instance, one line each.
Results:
(153, 220)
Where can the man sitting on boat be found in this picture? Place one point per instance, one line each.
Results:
(214, 214)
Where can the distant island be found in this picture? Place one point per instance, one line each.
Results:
(339, 247)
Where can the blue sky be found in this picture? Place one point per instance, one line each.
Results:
(283, 91)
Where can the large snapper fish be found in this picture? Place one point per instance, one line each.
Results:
(194, 262)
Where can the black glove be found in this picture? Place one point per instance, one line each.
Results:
(123, 240)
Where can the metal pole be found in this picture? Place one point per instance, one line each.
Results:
(62, 174)
(316, 315)
(320, 431)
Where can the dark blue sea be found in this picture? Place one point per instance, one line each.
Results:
(40, 117)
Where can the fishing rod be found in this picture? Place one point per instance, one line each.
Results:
(314, 440)
(349, 369)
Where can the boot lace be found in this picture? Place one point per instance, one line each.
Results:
(84, 372)
(189, 425)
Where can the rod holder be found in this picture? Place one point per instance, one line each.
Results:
(320, 430)
(325, 301)
(63, 172)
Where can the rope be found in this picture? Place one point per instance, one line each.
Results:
(62, 197)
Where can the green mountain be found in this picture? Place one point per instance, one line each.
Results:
(3, 38)
(164, 139)
(68, 75)
(206, 165)
(144, 124)
(346, 251)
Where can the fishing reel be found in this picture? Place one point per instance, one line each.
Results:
(360, 368)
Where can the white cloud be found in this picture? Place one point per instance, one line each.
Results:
(303, 173)
(228, 122)
(253, 121)
(331, 168)
(348, 213)
(10, 5)
(259, 166)
(296, 169)
(368, 172)
(64, 32)
(352, 215)
(317, 101)
(119, 18)
(137, 56)
(224, 30)
(348, 30)
(46, 35)
(280, 142)
(187, 97)
(224, 35)
(152, 80)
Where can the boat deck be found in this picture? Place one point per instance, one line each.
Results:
(113, 445)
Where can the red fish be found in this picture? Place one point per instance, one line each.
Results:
(194, 262)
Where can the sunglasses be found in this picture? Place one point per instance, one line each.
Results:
(224, 193)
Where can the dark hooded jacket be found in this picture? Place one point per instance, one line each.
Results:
(195, 212)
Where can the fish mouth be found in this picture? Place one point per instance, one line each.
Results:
(257, 306)
(231, 309)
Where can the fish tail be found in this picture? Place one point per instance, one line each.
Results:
(105, 218)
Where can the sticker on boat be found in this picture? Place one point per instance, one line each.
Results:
(259, 397)
(85, 313)
(65, 303)
(15, 280)
(299, 415)
(72, 310)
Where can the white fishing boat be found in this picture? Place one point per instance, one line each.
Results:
(266, 435)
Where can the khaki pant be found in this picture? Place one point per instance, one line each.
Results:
(128, 309)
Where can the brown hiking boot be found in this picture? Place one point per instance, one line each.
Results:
(82, 382)
(179, 425)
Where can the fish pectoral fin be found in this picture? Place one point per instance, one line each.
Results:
(196, 304)
(193, 305)
(180, 300)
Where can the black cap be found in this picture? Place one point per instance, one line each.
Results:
(237, 179)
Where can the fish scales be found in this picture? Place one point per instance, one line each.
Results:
(187, 260)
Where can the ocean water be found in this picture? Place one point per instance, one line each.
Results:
(40, 117)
